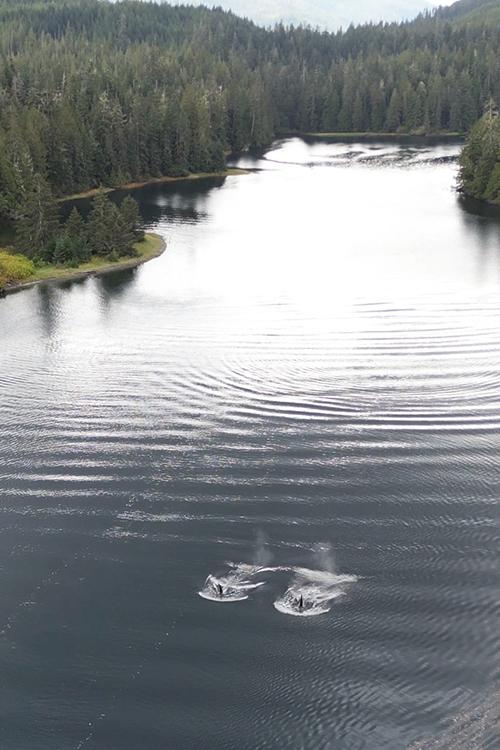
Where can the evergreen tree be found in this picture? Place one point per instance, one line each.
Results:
(36, 219)
(123, 242)
(393, 123)
(330, 115)
(102, 226)
(377, 107)
(111, 231)
(479, 174)
(63, 251)
(129, 210)
(76, 233)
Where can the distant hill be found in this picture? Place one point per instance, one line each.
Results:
(328, 14)
(472, 11)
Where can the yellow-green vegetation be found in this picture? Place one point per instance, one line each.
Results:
(150, 247)
(14, 268)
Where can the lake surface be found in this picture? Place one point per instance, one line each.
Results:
(307, 381)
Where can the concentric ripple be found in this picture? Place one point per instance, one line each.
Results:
(316, 357)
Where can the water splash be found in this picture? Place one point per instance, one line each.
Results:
(324, 557)
(312, 591)
(309, 594)
(235, 585)
(262, 555)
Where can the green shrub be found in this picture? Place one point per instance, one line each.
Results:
(14, 268)
(131, 252)
(177, 170)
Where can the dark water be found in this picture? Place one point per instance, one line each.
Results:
(308, 378)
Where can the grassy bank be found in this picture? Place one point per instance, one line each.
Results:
(232, 171)
(151, 247)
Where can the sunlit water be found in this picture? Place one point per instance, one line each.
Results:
(300, 397)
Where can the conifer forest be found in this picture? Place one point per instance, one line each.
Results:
(94, 93)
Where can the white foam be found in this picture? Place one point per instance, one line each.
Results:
(235, 585)
(221, 599)
(317, 588)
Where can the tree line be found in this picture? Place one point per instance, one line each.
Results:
(108, 231)
(94, 93)
(479, 174)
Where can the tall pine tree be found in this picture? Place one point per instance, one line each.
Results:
(37, 220)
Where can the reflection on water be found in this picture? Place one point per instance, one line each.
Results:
(315, 357)
(111, 287)
(45, 299)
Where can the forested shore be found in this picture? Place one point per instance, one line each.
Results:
(96, 94)
(479, 174)
(110, 236)
(92, 192)
(18, 272)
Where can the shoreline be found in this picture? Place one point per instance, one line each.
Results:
(483, 202)
(55, 274)
(92, 192)
(368, 135)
